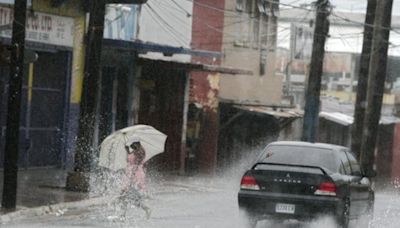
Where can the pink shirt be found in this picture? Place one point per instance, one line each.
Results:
(134, 174)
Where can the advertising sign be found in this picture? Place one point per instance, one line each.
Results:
(41, 27)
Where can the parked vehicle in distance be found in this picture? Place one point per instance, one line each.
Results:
(300, 180)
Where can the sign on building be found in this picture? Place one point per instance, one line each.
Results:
(301, 41)
(41, 27)
(11, 2)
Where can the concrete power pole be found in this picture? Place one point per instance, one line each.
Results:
(376, 83)
(14, 107)
(85, 153)
(86, 144)
(361, 99)
(312, 103)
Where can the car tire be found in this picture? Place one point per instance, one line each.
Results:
(344, 218)
(370, 213)
(249, 220)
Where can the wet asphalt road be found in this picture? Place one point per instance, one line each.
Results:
(196, 205)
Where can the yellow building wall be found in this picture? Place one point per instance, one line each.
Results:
(74, 9)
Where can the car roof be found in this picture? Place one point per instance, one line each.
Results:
(308, 144)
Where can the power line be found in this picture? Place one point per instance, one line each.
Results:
(154, 15)
(363, 23)
(344, 41)
(184, 10)
(170, 7)
(221, 30)
(289, 5)
(163, 20)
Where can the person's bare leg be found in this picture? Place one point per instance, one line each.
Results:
(146, 209)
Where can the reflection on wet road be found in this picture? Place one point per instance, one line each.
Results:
(198, 204)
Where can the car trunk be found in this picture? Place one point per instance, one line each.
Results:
(289, 179)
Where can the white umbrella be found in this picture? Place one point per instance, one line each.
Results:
(112, 150)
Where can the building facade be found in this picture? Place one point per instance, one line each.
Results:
(46, 106)
(250, 41)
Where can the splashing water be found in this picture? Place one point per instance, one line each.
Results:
(174, 198)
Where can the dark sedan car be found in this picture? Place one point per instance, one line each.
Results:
(302, 180)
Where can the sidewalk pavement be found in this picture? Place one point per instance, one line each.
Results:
(37, 190)
(42, 191)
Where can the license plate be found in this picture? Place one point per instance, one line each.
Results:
(284, 208)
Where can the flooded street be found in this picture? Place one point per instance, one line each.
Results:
(196, 203)
(175, 113)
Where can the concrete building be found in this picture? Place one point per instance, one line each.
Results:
(251, 109)
(249, 41)
(164, 71)
(48, 105)
(343, 48)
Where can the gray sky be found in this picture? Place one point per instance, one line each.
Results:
(346, 39)
(348, 5)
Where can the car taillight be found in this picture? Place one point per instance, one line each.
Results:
(249, 182)
(326, 189)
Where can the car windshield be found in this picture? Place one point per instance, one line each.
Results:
(298, 155)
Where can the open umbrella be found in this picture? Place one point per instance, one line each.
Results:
(112, 150)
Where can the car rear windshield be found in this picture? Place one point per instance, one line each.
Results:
(301, 155)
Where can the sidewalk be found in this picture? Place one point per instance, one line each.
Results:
(40, 187)
(42, 191)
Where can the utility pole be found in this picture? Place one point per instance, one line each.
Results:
(312, 103)
(14, 107)
(361, 99)
(85, 153)
(86, 142)
(376, 83)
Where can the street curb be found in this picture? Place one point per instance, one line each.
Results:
(60, 208)
(52, 209)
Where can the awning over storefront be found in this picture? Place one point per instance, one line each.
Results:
(163, 55)
(144, 47)
(284, 116)
(195, 66)
(278, 112)
(337, 117)
(343, 112)
(347, 120)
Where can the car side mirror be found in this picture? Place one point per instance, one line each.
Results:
(370, 173)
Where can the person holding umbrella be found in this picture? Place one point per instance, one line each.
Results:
(127, 150)
(134, 182)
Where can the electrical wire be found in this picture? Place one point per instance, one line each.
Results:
(168, 8)
(220, 30)
(184, 10)
(363, 23)
(163, 27)
(164, 21)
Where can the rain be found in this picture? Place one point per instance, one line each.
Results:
(152, 113)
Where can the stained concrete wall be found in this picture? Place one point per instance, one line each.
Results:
(262, 89)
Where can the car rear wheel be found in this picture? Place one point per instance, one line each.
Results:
(249, 220)
(370, 213)
(344, 219)
(250, 223)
